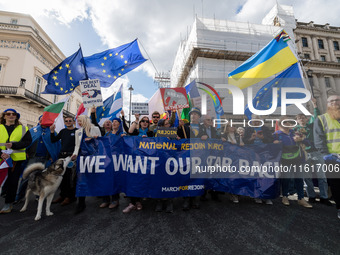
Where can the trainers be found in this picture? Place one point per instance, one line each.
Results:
(159, 206)
(234, 198)
(139, 206)
(103, 205)
(169, 206)
(7, 208)
(285, 201)
(258, 201)
(304, 203)
(325, 202)
(268, 202)
(129, 208)
(114, 205)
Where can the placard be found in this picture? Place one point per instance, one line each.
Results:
(174, 98)
(91, 93)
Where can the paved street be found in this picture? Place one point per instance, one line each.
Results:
(217, 228)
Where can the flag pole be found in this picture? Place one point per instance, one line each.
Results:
(180, 118)
(87, 77)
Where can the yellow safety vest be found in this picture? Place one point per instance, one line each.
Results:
(16, 136)
(332, 132)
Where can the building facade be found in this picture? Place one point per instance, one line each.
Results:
(214, 48)
(26, 54)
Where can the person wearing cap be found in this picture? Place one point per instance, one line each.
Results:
(192, 130)
(14, 138)
(116, 130)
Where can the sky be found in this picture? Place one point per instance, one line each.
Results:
(159, 25)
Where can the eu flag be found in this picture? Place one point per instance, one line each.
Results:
(109, 65)
(289, 78)
(65, 77)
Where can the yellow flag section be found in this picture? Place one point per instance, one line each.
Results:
(273, 58)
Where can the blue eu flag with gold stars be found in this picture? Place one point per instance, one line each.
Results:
(109, 65)
(65, 77)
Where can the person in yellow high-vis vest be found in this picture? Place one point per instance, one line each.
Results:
(14, 138)
(327, 141)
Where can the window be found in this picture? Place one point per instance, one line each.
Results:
(14, 21)
(320, 42)
(306, 56)
(338, 59)
(322, 58)
(37, 86)
(304, 42)
(327, 82)
(336, 45)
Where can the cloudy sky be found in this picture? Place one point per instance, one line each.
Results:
(158, 24)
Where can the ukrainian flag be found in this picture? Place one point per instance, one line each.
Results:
(273, 58)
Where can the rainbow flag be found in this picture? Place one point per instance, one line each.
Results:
(275, 57)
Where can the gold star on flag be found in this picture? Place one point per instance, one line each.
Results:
(61, 89)
(66, 91)
(119, 74)
(56, 72)
(104, 71)
(70, 78)
(116, 54)
(277, 82)
(60, 67)
(54, 77)
(121, 56)
(102, 114)
(265, 89)
(105, 58)
(110, 54)
(57, 83)
(115, 77)
(71, 89)
(109, 76)
(67, 65)
(103, 108)
(102, 64)
(69, 71)
(72, 85)
(125, 61)
(122, 69)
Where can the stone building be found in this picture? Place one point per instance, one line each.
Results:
(26, 54)
(214, 48)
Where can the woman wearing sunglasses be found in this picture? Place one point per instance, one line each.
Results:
(138, 128)
(14, 138)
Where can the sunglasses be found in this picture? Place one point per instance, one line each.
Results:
(10, 113)
(144, 121)
(155, 117)
(68, 120)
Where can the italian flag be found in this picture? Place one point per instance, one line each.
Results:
(52, 112)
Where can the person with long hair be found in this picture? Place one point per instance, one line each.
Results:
(86, 132)
(14, 138)
(138, 128)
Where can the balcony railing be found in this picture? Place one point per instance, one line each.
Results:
(10, 90)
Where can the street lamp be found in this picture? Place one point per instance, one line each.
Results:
(131, 89)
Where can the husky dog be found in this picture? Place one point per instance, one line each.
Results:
(44, 183)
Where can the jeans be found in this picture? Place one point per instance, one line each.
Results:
(316, 158)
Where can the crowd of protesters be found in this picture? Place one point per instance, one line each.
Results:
(306, 143)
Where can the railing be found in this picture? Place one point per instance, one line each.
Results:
(37, 98)
(8, 90)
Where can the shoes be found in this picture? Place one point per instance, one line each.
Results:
(268, 202)
(129, 208)
(58, 200)
(114, 205)
(304, 203)
(311, 200)
(7, 208)
(159, 206)
(80, 208)
(325, 202)
(258, 201)
(186, 204)
(285, 201)
(169, 206)
(103, 205)
(234, 198)
(139, 206)
(338, 213)
(67, 201)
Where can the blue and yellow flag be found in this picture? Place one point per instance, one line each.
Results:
(290, 78)
(109, 65)
(65, 77)
(272, 59)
